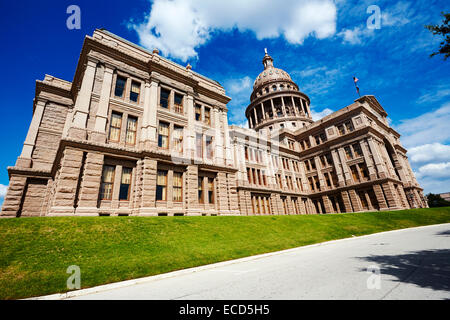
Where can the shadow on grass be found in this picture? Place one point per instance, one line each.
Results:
(426, 268)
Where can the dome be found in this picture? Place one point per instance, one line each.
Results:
(270, 73)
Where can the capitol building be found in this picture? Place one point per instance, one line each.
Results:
(135, 134)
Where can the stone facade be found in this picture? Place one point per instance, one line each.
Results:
(136, 134)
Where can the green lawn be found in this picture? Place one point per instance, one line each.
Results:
(35, 252)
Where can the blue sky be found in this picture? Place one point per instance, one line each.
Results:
(321, 43)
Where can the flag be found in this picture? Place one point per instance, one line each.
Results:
(355, 79)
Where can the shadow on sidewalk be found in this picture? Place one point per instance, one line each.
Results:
(427, 268)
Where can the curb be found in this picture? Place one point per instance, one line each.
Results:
(127, 283)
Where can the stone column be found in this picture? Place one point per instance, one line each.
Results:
(91, 179)
(391, 195)
(327, 204)
(82, 104)
(322, 183)
(192, 190)
(228, 156)
(103, 105)
(233, 203)
(149, 133)
(149, 174)
(338, 167)
(346, 201)
(24, 159)
(275, 115)
(345, 169)
(66, 185)
(222, 195)
(368, 159)
(263, 112)
(219, 144)
(380, 197)
(356, 203)
(256, 116)
(13, 198)
(190, 136)
(376, 157)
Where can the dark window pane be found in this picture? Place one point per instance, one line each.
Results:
(134, 96)
(159, 193)
(123, 195)
(120, 86)
(164, 101)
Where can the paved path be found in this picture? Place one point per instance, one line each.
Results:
(413, 264)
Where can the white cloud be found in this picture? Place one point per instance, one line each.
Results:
(434, 94)
(178, 27)
(355, 35)
(426, 138)
(3, 190)
(434, 170)
(237, 86)
(319, 115)
(397, 15)
(427, 128)
(432, 152)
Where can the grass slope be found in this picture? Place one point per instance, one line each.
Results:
(35, 252)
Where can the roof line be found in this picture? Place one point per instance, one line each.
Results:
(147, 51)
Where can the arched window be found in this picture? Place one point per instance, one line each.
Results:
(274, 88)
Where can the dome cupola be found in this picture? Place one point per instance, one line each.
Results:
(276, 101)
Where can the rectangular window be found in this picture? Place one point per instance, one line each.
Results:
(200, 190)
(308, 168)
(363, 171)
(210, 190)
(107, 182)
(357, 150)
(209, 147)
(178, 103)
(199, 145)
(131, 130)
(161, 186)
(177, 187)
(249, 176)
(120, 86)
(354, 173)
(208, 116)
(348, 153)
(135, 91)
(316, 180)
(178, 139)
(116, 124)
(164, 98)
(163, 135)
(341, 129)
(198, 112)
(349, 126)
(311, 183)
(327, 179)
(246, 153)
(125, 184)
